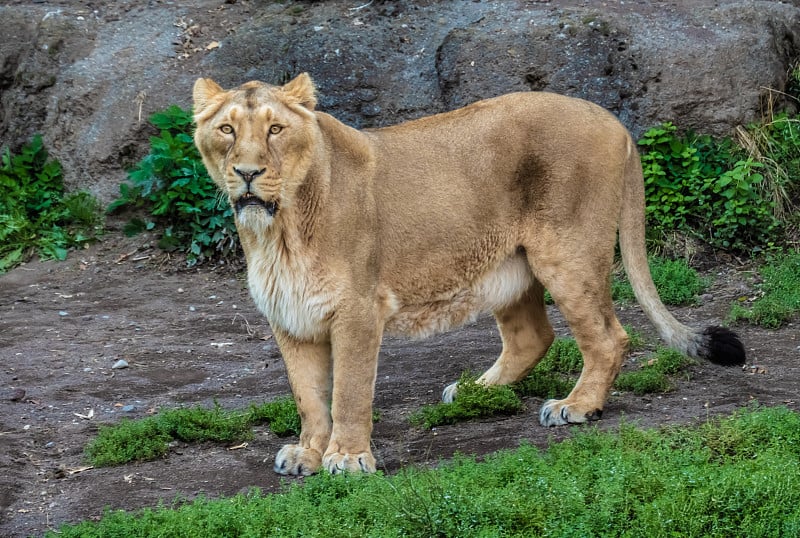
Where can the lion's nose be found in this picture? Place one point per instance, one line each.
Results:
(248, 174)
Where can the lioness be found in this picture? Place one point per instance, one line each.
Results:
(419, 227)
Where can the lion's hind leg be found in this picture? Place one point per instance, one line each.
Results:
(527, 335)
(585, 301)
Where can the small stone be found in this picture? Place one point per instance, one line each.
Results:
(15, 395)
(122, 363)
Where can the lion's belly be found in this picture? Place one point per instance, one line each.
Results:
(498, 288)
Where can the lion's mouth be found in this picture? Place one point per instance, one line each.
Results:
(250, 199)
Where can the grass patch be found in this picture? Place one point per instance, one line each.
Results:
(474, 401)
(780, 299)
(735, 476)
(553, 377)
(149, 438)
(676, 282)
(654, 374)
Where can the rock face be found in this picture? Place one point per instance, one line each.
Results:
(88, 79)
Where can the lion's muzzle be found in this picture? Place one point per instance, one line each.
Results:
(249, 199)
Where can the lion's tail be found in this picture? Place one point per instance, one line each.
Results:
(717, 344)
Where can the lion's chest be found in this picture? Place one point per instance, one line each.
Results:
(289, 293)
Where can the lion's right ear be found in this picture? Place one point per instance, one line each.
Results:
(205, 89)
(301, 90)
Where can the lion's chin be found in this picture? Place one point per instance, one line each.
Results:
(248, 201)
(254, 213)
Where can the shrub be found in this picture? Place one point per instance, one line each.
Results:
(705, 188)
(172, 183)
(37, 217)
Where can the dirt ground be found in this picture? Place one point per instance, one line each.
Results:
(193, 336)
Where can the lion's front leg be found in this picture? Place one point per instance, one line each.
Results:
(355, 336)
(309, 368)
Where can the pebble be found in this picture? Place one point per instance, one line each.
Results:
(14, 395)
(122, 363)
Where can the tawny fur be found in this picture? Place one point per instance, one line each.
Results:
(420, 227)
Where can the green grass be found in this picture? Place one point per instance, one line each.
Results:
(734, 476)
(676, 282)
(780, 301)
(654, 375)
(149, 438)
(473, 401)
(553, 377)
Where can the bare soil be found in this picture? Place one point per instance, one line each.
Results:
(194, 337)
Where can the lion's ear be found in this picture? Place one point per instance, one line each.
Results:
(205, 89)
(301, 90)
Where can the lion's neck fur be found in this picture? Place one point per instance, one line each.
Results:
(280, 270)
(286, 279)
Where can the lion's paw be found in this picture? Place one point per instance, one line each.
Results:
(449, 393)
(335, 462)
(296, 460)
(560, 412)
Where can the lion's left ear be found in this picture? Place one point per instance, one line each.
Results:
(301, 90)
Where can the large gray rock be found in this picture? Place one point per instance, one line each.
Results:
(89, 79)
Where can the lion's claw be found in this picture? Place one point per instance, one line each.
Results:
(560, 412)
(298, 461)
(336, 462)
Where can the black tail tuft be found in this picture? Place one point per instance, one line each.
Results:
(722, 346)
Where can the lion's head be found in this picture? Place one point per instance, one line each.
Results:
(257, 142)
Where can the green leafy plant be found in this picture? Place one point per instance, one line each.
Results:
(37, 216)
(775, 144)
(184, 203)
(705, 188)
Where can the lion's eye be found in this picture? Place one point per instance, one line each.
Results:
(275, 129)
(226, 129)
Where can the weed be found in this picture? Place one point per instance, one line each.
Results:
(183, 201)
(554, 377)
(37, 217)
(654, 375)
